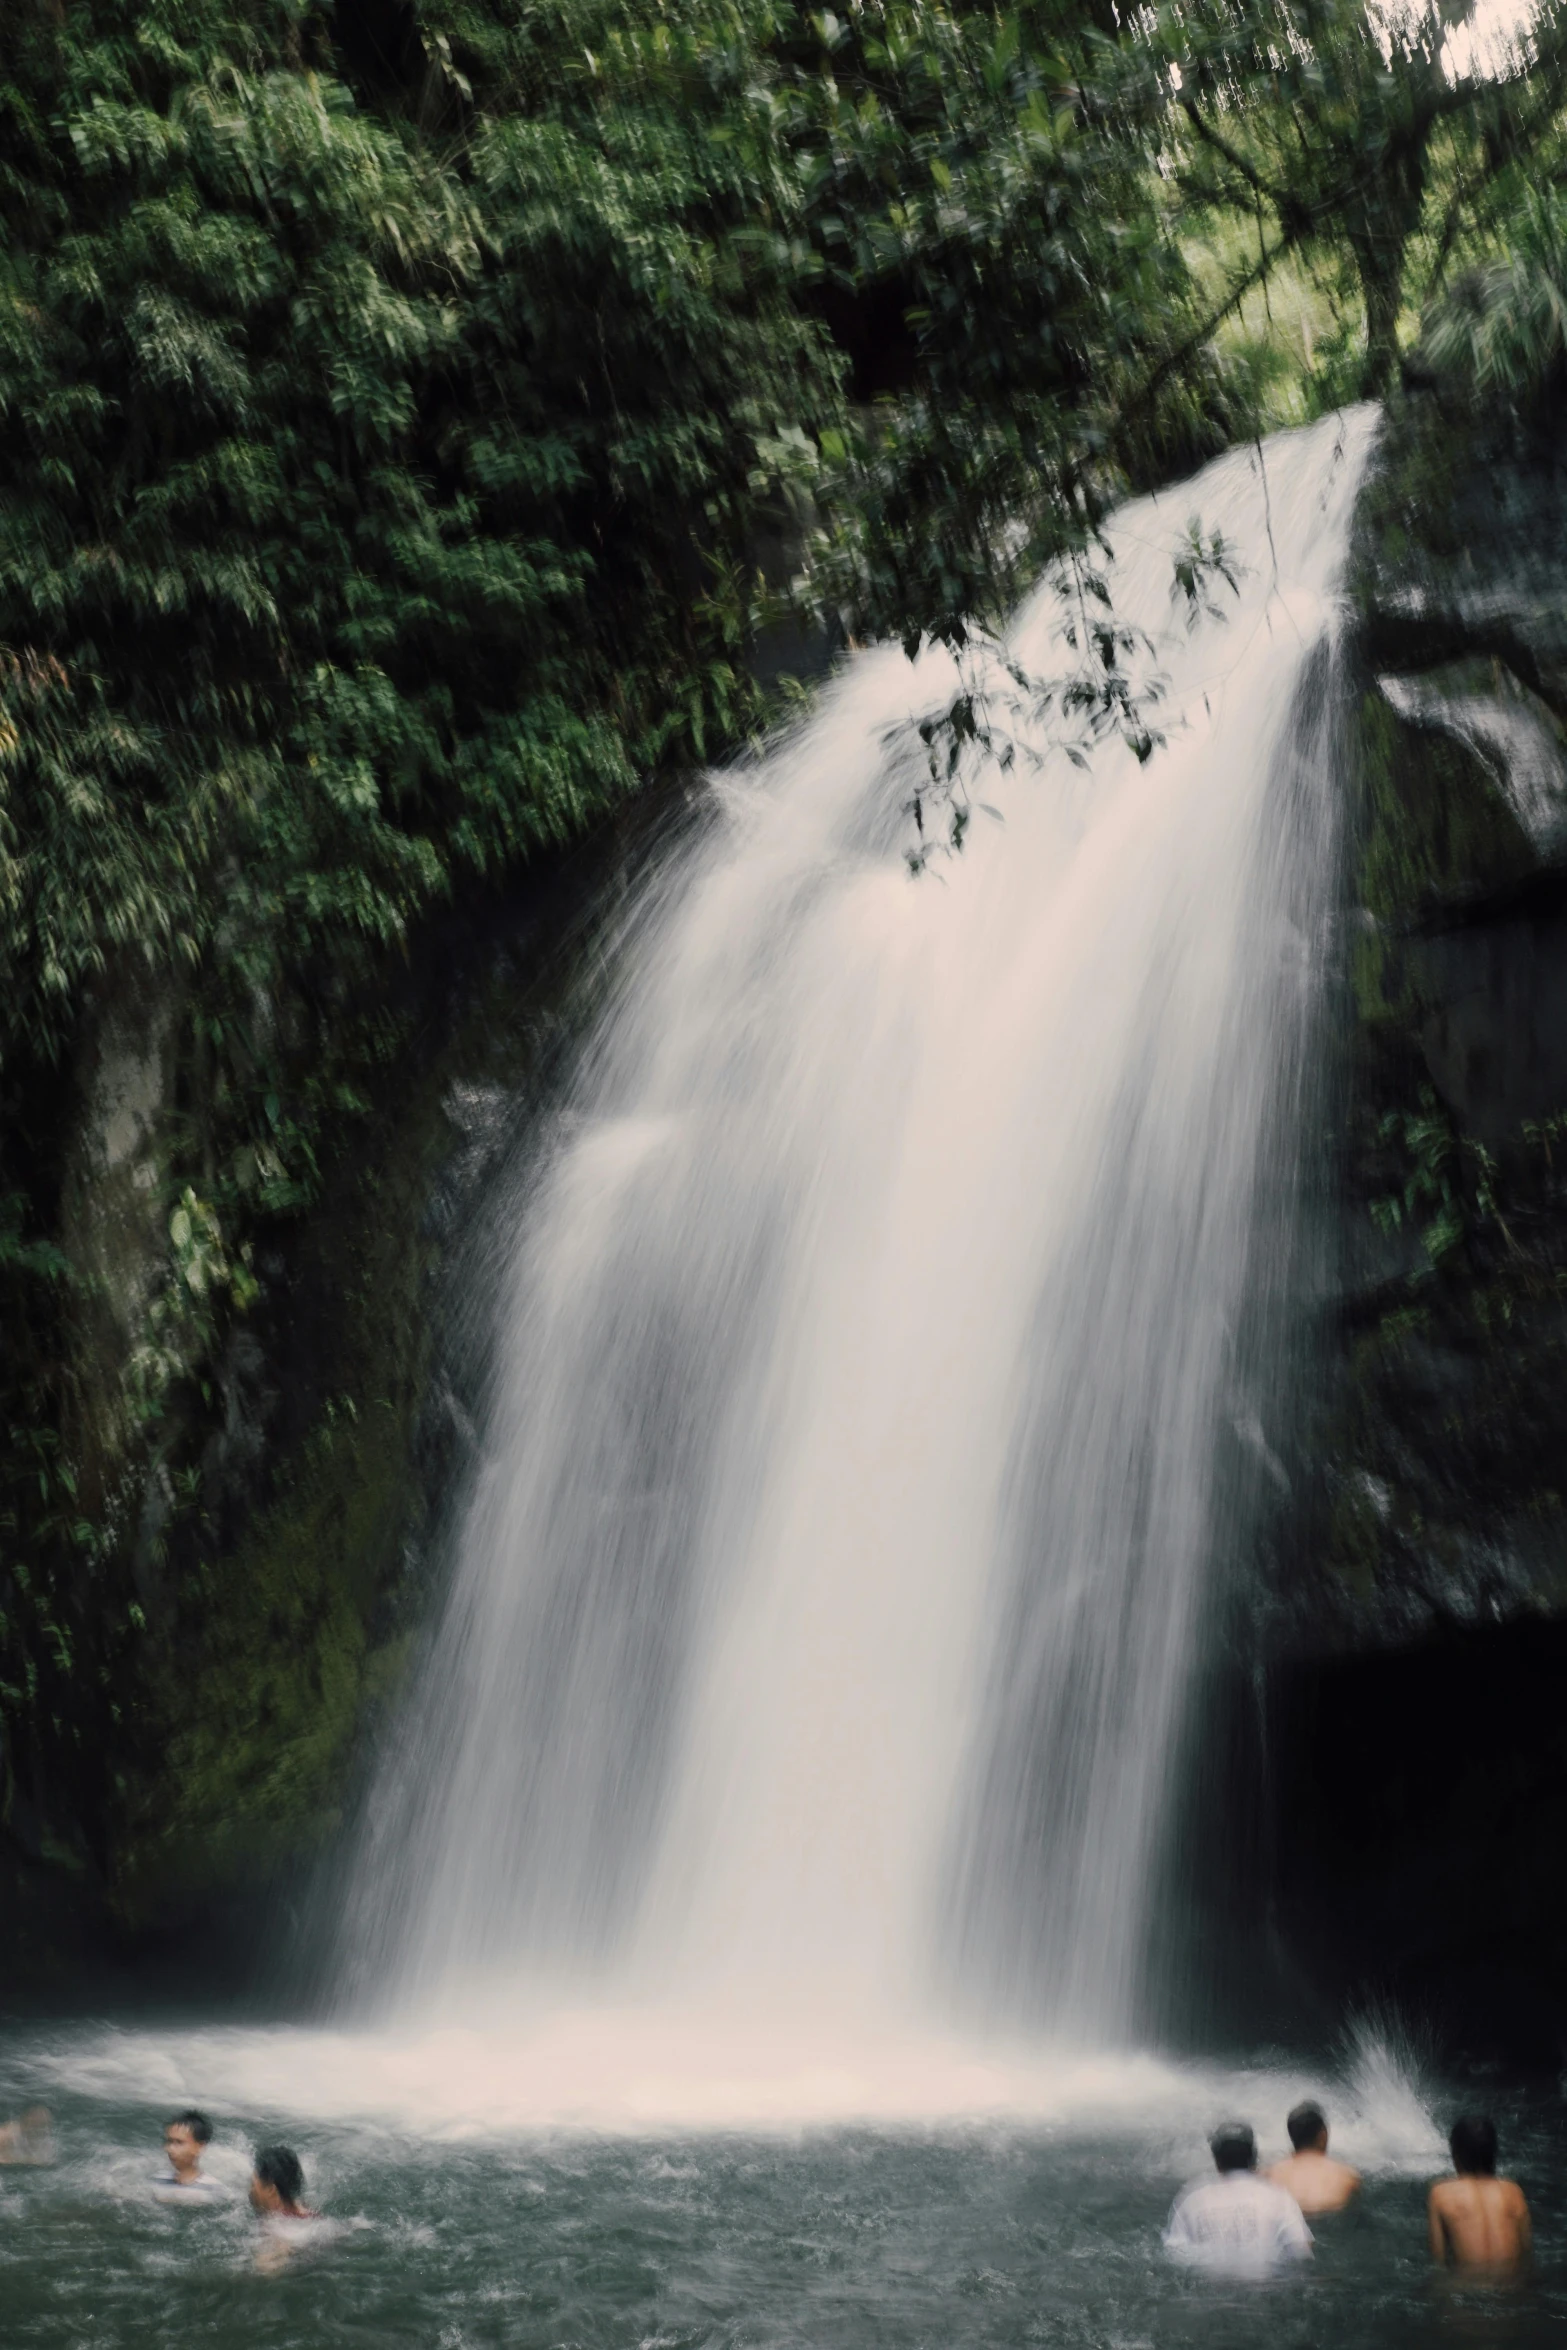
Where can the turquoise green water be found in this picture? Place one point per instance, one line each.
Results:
(846, 2238)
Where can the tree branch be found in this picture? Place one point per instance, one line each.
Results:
(1523, 136)
(1232, 155)
(1194, 341)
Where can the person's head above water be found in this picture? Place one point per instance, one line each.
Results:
(1316, 2179)
(1472, 2144)
(1233, 2147)
(184, 2136)
(278, 2183)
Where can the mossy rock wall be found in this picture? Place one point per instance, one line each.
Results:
(345, 1437)
(282, 1524)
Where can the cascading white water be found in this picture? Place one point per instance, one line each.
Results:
(824, 1606)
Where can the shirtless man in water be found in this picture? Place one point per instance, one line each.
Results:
(1317, 2182)
(1477, 2220)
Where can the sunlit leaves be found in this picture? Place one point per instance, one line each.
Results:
(1344, 130)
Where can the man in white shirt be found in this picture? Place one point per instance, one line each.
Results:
(185, 2140)
(1237, 2223)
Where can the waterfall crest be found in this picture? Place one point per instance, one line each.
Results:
(823, 1609)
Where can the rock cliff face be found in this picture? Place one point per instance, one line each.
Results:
(277, 1519)
(1415, 1624)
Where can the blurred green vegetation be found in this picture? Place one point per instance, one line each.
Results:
(1344, 167)
(414, 417)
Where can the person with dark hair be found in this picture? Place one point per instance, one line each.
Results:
(1237, 2222)
(185, 2138)
(1310, 2173)
(1477, 2220)
(277, 2184)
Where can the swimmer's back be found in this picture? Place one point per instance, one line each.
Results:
(1316, 2181)
(1479, 2222)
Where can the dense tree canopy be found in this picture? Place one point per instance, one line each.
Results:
(381, 478)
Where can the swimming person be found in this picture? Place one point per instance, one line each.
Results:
(1317, 2182)
(185, 2139)
(277, 2183)
(1237, 2223)
(28, 2139)
(1476, 2219)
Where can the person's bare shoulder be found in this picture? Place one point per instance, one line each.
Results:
(1517, 2202)
(1318, 2182)
(1445, 2207)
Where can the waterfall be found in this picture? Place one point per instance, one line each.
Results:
(823, 1607)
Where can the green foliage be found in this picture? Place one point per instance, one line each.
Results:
(1501, 328)
(1447, 1190)
(41, 1258)
(1333, 128)
(345, 544)
(1110, 687)
(1204, 560)
(972, 189)
(253, 1774)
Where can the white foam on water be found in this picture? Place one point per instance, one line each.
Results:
(655, 2074)
(598, 2069)
(1389, 2073)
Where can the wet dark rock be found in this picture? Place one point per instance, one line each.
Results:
(1518, 738)
(1421, 1802)
(1439, 1443)
(1492, 980)
(1408, 1638)
(1464, 549)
